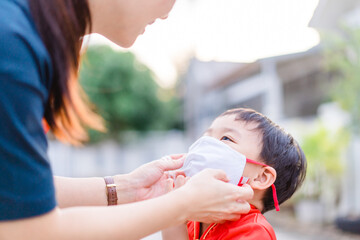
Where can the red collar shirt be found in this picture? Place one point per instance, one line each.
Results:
(251, 226)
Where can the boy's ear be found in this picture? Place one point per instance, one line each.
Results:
(264, 179)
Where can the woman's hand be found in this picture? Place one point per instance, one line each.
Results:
(148, 181)
(211, 199)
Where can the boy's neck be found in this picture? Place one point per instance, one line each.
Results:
(204, 227)
(257, 201)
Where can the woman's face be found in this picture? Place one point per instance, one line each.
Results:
(122, 21)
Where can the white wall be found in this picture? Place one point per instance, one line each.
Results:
(109, 158)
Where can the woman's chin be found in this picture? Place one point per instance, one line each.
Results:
(124, 42)
(125, 39)
(130, 40)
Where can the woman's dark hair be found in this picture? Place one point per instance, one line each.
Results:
(62, 25)
(280, 151)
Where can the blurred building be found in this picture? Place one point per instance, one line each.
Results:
(281, 87)
(330, 13)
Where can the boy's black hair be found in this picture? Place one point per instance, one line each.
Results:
(280, 151)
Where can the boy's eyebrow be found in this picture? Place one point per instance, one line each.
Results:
(232, 130)
(225, 129)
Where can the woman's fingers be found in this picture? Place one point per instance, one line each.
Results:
(175, 174)
(238, 208)
(169, 185)
(229, 212)
(245, 193)
(231, 217)
(177, 156)
(221, 218)
(215, 200)
(169, 163)
(218, 174)
(180, 181)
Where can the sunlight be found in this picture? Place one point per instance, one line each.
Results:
(229, 30)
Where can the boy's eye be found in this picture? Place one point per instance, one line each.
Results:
(225, 138)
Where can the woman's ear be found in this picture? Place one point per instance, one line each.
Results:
(264, 179)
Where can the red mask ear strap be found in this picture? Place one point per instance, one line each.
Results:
(276, 202)
(255, 162)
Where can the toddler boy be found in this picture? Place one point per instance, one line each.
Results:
(259, 153)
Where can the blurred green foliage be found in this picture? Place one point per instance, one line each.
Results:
(325, 151)
(126, 95)
(342, 54)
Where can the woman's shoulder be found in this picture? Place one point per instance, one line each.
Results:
(15, 15)
(20, 41)
(16, 22)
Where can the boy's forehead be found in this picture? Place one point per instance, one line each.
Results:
(229, 119)
(229, 123)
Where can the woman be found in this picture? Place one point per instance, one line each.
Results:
(39, 48)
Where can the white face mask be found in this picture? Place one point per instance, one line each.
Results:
(209, 152)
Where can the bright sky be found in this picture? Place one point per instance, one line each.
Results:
(224, 30)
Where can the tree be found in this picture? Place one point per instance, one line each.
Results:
(324, 150)
(343, 59)
(125, 94)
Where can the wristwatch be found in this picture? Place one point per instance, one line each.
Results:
(111, 190)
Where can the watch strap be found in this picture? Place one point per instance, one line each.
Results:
(111, 190)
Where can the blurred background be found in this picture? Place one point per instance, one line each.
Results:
(296, 61)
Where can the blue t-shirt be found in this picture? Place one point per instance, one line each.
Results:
(26, 181)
